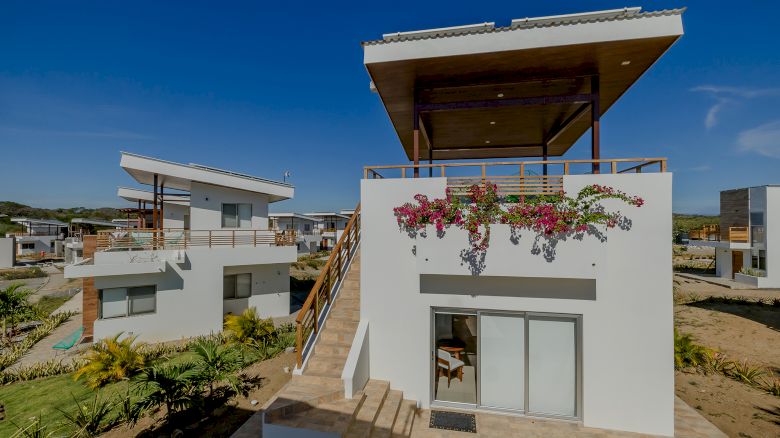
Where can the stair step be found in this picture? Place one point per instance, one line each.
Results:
(334, 417)
(298, 396)
(383, 426)
(405, 419)
(338, 335)
(375, 391)
(339, 323)
(331, 349)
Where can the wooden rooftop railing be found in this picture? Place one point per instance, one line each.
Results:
(517, 177)
(321, 294)
(712, 233)
(172, 238)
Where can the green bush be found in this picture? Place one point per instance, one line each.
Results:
(111, 360)
(90, 419)
(12, 354)
(21, 274)
(688, 354)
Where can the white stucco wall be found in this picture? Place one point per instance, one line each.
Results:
(270, 290)
(189, 294)
(174, 215)
(772, 233)
(7, 252)
(206, 206)
(627, 361)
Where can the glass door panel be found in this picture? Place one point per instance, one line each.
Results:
(552, 366)
(502, 360)
(455, 357)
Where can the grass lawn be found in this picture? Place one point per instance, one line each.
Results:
(43, 398)
(49, 304)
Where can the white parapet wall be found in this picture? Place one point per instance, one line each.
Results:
(357, 368)
(621, 288)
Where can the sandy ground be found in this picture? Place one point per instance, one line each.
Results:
(742, 332)
(225, 420)
(54, 284)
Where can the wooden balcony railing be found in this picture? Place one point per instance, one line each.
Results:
(713, 233)
(516, 177)
(321, 295)
(170, 238)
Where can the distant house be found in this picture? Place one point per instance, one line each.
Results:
(39, 235)
(307, 233)
(746, 246)
(331, 226)
(203, 249)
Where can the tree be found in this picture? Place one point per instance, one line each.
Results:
(111, 360)
(14, 306)
(249, 327)
(173, 385)
(217, 363)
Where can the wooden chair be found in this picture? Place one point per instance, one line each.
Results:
(445, 362)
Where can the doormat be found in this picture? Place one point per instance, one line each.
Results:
(453, 421)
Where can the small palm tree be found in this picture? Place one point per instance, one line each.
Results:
(111, 360)
(249, 327)
(14, 306)
(173, 385)
(217, 362)
(689, 354)
(90, 418)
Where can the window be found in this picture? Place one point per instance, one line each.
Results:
(127, 301)
(28, 245)
(236, 286)
(759, 259)
(236, 215)
(306, 227)
(756, 218)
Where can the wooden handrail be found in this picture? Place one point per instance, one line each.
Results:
(183, 239)
(643, 162)
(307, 321)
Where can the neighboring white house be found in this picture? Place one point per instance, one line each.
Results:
(308, 237)
(39, 235)
(80, 227)
(577, 327)
(746, 246)
(175, 279)
(331, 226)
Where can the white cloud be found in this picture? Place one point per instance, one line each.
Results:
(763, 140)
(726, 95)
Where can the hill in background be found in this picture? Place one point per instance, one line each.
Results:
(14, 209)
(683, 223)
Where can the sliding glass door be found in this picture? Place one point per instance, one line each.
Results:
(515, 361)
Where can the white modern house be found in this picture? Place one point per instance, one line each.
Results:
(571, 324)
(39, 235)
(331, 224)
(308, 236)
(746, 248)
(194, 262)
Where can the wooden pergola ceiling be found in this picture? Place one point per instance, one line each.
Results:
(513, 103)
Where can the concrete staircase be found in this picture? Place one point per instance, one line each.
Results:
(315, 399)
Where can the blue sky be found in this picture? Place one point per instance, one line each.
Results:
(264, 87)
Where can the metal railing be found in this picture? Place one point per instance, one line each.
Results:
(516, 177)
(321, 294)
(172, 238)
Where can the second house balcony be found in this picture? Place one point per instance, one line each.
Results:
(170, 239)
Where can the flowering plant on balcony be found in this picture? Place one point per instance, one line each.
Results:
(547, 215)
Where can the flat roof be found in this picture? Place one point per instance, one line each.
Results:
(327, 213)
(294, 215)
(495, 92)
(135, 195)
(180, 176)
(97, 222)
(33, 222)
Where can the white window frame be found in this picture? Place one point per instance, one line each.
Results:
(128, 291)
(235, 286)
(237, 215)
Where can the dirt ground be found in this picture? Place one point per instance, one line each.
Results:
(741, 332)
(227, 419)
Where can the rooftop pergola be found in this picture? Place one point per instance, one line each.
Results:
(531, 89)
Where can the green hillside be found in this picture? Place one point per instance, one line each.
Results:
(14, 209)
(686, 222)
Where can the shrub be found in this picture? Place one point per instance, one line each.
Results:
(249, 327)
(688, 354)
(771, 386)
(746, 373)
(111, 360)
(175, 386)
(217, 363)
(90, 419)
(14, 307)
(16, 351)
(21, 274)
(36, 428)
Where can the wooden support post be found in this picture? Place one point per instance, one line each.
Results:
(416, 153)
(544, 157)
(430, 161)
(162, 206)
(484, 176)
(154, 204)
(614, 167)
(595, 122)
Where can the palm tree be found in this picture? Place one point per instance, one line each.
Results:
(14, 306)
(217, 362)
(249, 327)
(173, 385)
(111, 360)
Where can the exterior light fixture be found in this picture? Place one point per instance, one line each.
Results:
(500, 94)
(492, 123)
(625, 62)
(487, 141)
